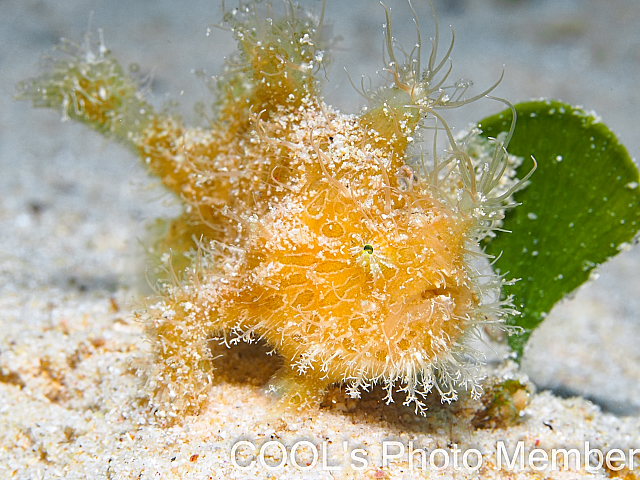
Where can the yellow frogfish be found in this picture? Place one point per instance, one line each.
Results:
(349, 244)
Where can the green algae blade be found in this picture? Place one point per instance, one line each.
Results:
(581, 208)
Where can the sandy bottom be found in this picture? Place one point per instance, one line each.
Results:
(71, 406)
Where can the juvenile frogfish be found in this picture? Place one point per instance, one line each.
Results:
(334, 238)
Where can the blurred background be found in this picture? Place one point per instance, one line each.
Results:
(73, 207)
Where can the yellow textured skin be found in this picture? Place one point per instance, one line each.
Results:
(312, 230)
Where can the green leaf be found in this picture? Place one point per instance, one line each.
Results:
(581, 207)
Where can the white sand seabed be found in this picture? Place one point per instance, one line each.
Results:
(69, 410)
(72, 208)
